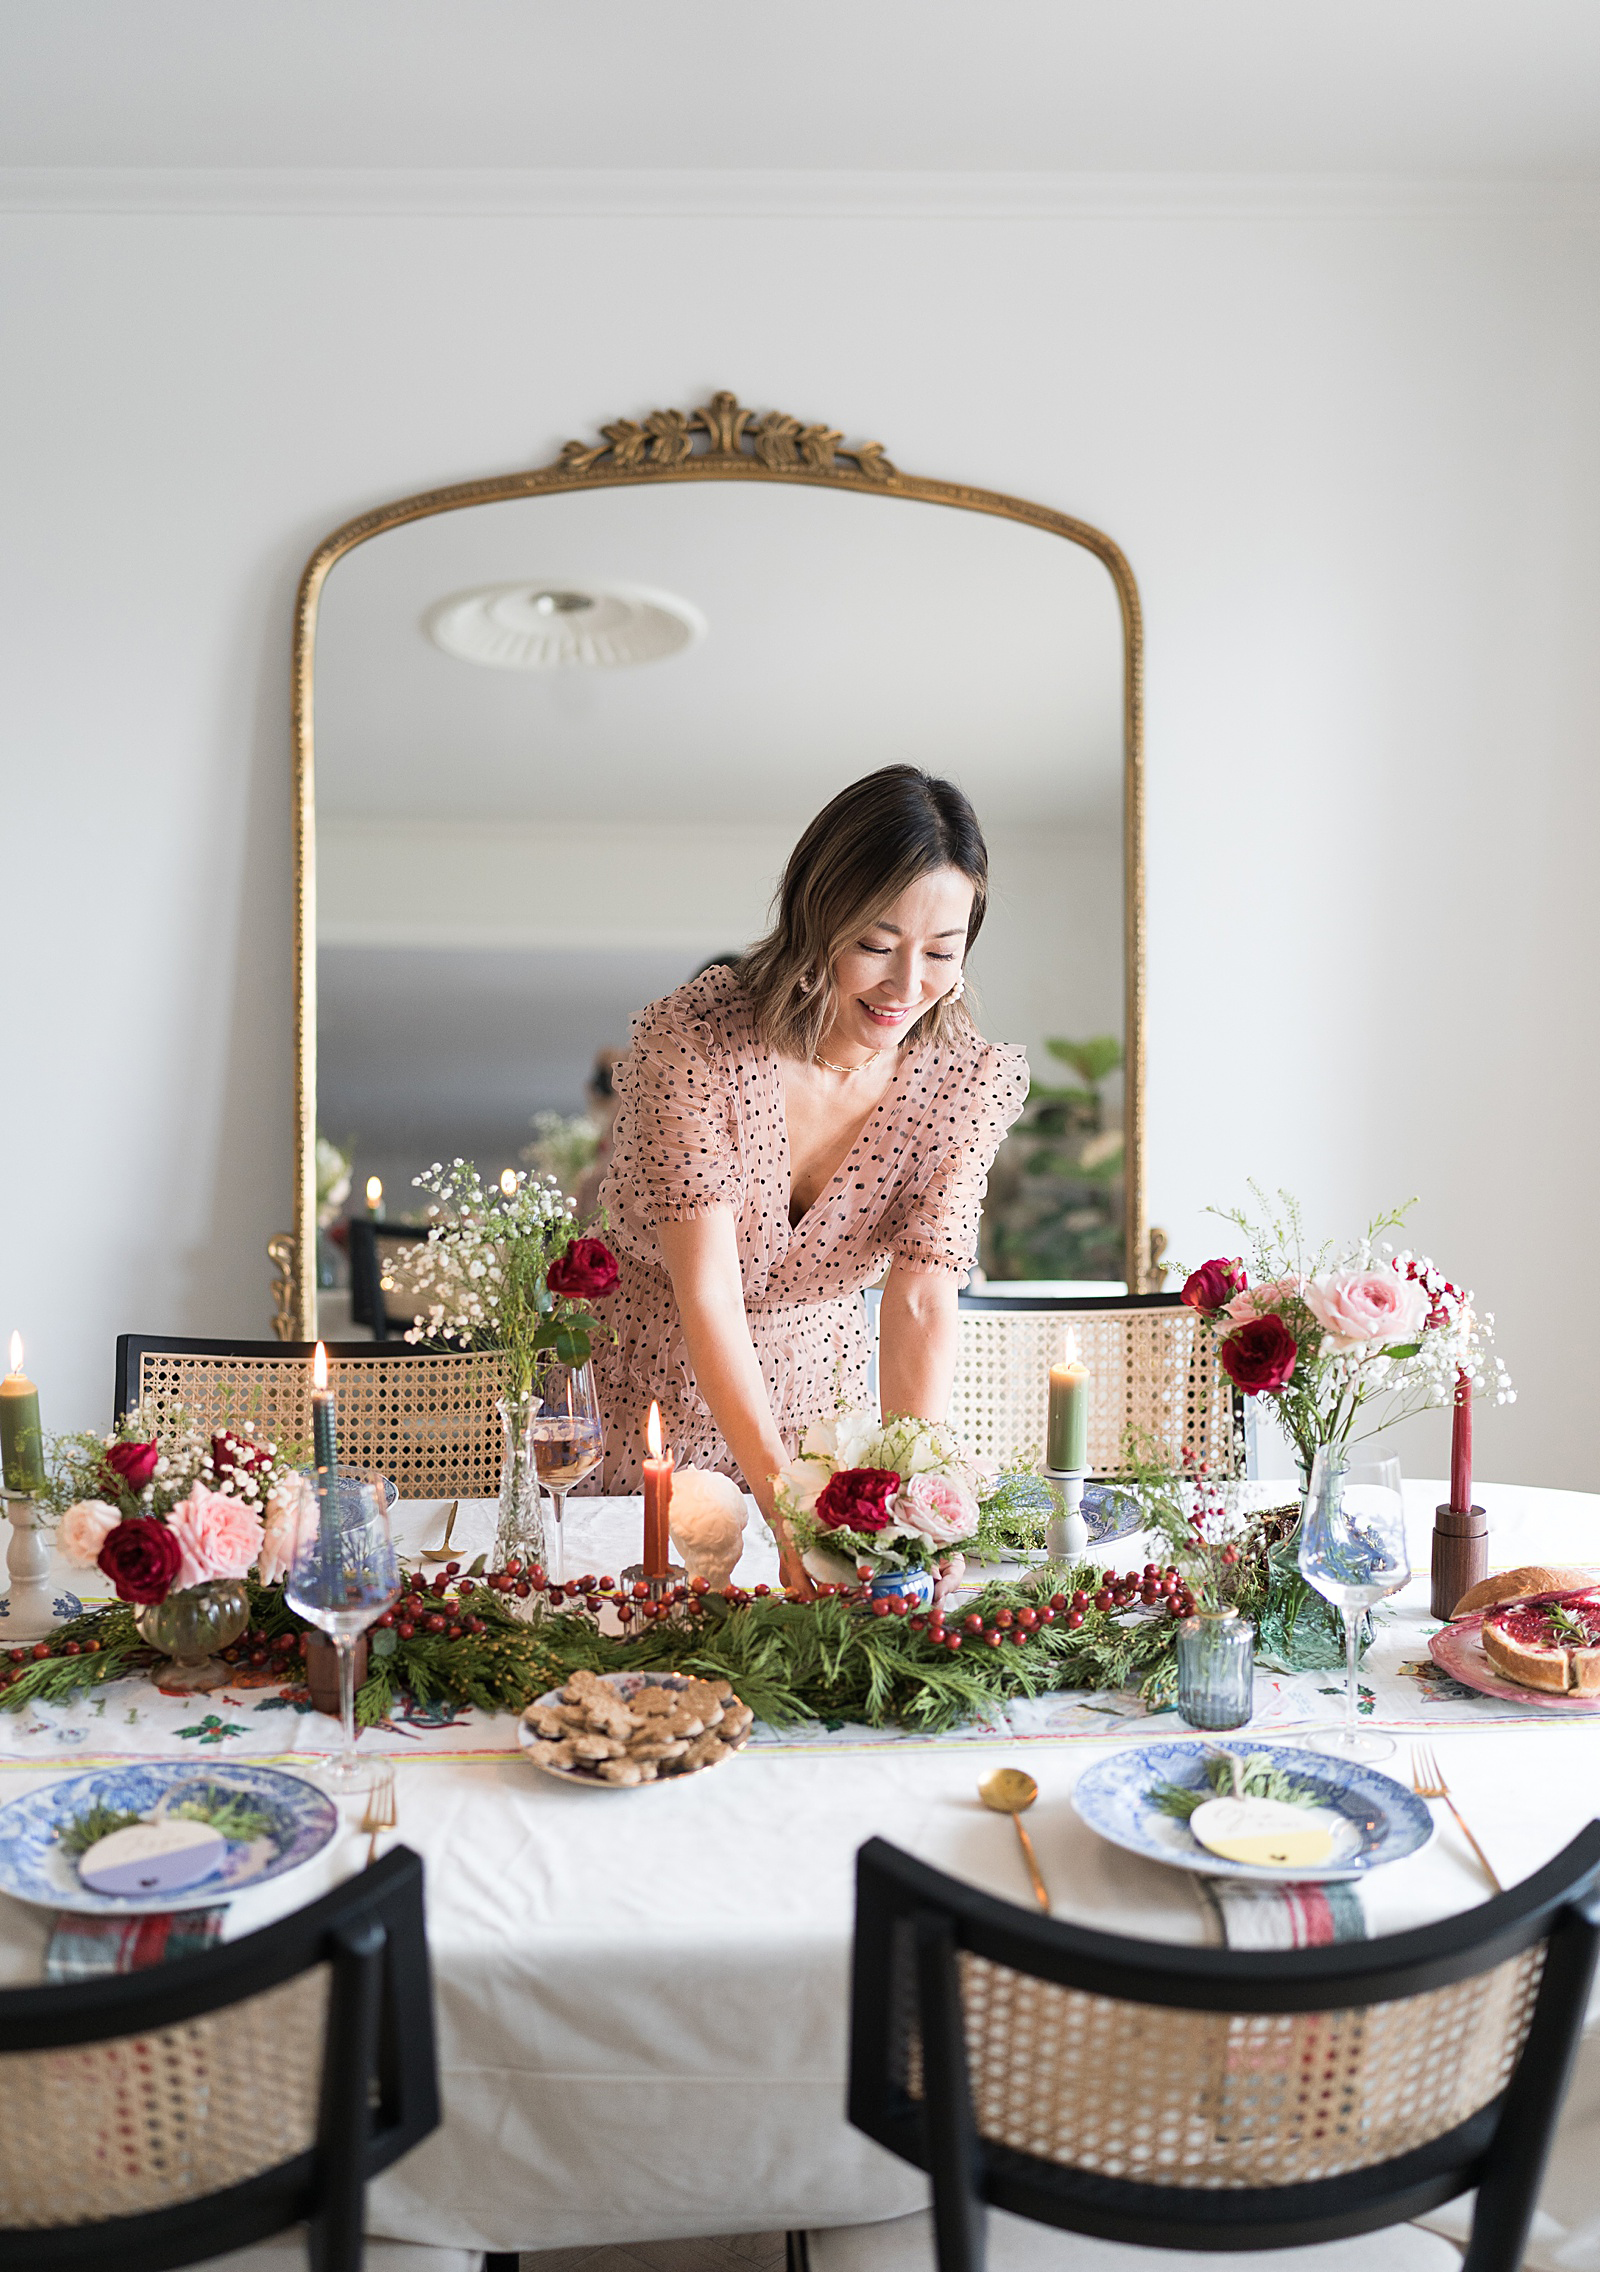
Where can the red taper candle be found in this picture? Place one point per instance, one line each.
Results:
(1461, 1447)
(657, 1498)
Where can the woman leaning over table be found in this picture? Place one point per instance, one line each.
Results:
(792, 1127)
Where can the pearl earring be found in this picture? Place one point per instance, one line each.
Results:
(959, 988)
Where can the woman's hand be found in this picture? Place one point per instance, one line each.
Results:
(702, 1256)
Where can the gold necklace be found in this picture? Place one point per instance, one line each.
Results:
(861, 1068)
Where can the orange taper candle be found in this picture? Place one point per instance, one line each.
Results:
(657, 1498)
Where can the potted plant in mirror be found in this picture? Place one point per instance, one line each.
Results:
(509, 1267)
(176, 1518)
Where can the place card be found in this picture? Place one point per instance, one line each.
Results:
(153, 1857)
(1263, 1833)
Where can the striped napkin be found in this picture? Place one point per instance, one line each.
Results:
(86, 1948)
(1247, 1915)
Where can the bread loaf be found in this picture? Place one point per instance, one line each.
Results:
(1517, 1585)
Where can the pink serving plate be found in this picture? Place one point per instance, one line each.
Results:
(1458, 1651)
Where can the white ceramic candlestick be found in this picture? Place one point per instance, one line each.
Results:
(30, 1610)
(1066, 1537)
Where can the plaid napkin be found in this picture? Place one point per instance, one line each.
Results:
(1245, 1915)
(85, 1948)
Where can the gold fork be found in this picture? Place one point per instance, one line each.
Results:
(383, 1811)
(1428, 1783)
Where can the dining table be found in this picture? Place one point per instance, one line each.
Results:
(642, 1993)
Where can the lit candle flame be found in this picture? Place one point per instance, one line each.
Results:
(652, 1431)
(319, 1368)
(508, 1182)
(374, 1191)
(16, 1353)
(1069, 1355)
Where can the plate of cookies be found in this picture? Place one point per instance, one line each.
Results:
(615, 1730)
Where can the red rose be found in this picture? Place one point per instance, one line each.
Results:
(858, 1498)
(1213, 1285)
(237, 1455)
(1260, 1355)
(585, 1272)
(133, 1464)
(141, 1558)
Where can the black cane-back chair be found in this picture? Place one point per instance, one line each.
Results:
(423, 1417)
(1205, 2099)
(162, 2117)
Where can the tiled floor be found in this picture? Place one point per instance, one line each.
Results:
(733, 2252)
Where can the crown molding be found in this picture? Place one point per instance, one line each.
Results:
(762, 195)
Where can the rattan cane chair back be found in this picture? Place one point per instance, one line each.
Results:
(1153, 1368)
(1196, 2098)
(426, 1421)
(161, 2117)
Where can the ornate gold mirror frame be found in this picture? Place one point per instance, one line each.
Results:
(721, 442)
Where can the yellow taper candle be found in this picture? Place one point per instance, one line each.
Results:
(21, 1445)
(1067, 1439)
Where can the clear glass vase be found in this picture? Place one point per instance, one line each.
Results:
(189, 1628)
(519, 1533)
(1216, 1669)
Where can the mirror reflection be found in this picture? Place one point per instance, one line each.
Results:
(564, 745)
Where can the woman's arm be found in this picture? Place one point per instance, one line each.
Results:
(702, 1256)
(917, 1331)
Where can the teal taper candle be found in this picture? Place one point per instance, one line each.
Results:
(21, 1444)
(1067, 1441)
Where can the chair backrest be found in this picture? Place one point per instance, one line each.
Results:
(426, 1421)
(1182, 2097)
(1152, 1366)
(161, 2117)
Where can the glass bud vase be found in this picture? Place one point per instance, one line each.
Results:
(1216, 1669)
(188, 1628)
(519, 1533)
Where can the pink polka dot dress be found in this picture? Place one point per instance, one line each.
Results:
(701, 1124)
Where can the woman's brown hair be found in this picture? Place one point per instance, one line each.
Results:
(857, 857)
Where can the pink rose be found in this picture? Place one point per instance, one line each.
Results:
(291, 1508)
(938, 1508)
(84, 1529)
(1256, 1301)
(218, 1537)
(1366, 1309)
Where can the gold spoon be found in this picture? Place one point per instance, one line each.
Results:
(1009, 1791)
(441, 1552)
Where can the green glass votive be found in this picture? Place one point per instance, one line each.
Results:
(1216, 1669)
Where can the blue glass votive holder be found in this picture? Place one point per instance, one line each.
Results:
(1216, 1669)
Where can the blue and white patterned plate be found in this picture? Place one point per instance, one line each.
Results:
(34, 1866)
(1373, 1819)
(1110, 1513)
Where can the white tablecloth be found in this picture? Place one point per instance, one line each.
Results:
(642, 1994)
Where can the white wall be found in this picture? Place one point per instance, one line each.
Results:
(1351, 454)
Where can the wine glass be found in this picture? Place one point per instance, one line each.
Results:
(344, 1574)
(1353, 1550)
(567, 1443)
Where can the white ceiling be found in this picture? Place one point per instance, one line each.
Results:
(1407, 87)
(844, 632)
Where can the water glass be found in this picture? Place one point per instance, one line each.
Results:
(1216, 1668)
(567, 1443)
(345, 1574)
(1353, 1550)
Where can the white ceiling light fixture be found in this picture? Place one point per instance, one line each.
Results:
(554, 626)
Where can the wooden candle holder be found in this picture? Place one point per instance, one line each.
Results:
(1460, 1556)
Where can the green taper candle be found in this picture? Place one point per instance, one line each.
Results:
(21, 1444)
(1067, 1442)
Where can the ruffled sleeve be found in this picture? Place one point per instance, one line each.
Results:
(676, 1150)
(962, 1131)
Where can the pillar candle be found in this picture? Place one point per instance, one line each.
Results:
(1461, 1447)
(657, 1498)
(324, 1415)
(1067, 1443)
(21, 1445)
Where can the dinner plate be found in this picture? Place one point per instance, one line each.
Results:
(1373, 1818)
(34, 1866)
(627, 1686)
(1458, 1650)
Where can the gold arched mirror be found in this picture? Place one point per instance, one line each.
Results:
(555, 733)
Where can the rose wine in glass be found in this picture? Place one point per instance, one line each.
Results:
(567, 1443)
(345, 1573)
(1353, 1550)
